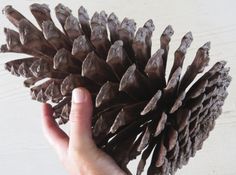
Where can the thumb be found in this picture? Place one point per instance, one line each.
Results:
(80, 118)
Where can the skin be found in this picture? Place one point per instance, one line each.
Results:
(77, 151)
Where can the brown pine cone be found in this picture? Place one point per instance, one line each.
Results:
(137, 110)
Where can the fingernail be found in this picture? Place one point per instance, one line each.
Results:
(78, 96)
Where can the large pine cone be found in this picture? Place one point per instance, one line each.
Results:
(137, 110)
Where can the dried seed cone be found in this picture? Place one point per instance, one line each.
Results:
(137, 110)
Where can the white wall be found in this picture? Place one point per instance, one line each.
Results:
(23, 149)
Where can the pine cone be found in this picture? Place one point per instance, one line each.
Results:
(137, 110)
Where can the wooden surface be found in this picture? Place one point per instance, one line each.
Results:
(23, 149)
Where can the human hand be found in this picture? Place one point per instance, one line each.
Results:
(78, 152)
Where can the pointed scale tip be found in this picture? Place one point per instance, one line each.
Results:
(115, 50)
(95, 15)
(152, 104)
(82, 9)
(83, 12)
(207, 45)
(141, 35)
(126, 77)
(189, 35)
(3, 48)
(61, 8)
(5, 30)
(103, 14)
(7, 67)
(223, 62)
(119, 121)
(62, 12)
(7, 9)
(97, 103)
(145, 140)
(169, 31)
(150, 25)
(185, 42)
(128, 24)
(44, 8)
(112, 17)
(150, 21)
(100, 96)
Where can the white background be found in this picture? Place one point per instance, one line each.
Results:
(23, 149)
